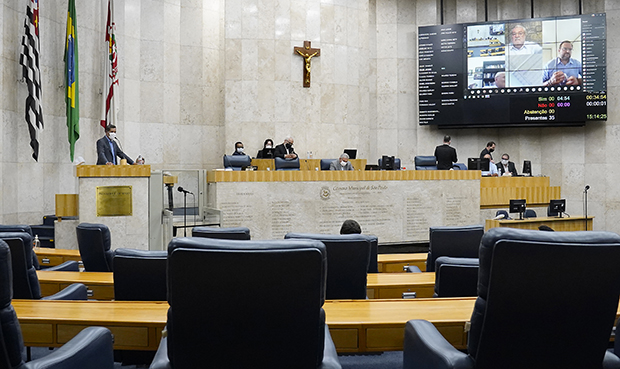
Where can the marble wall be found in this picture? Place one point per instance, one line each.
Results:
(196, 76)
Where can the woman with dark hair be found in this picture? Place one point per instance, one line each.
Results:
(267, 151)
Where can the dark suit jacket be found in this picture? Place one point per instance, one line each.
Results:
(511, 168)
(280, 151)
(104, 154)
(446, 156)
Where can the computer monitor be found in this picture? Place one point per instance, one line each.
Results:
(527, 168)
(351, 152)
(517, 206)
(557, 207)
(478, 164)
(387, 162)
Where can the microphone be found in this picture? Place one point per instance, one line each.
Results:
(501, 216)
(181, 189)
(587, 187)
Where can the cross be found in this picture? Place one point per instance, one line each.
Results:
(307, 53)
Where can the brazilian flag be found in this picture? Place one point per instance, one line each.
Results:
(71, 78)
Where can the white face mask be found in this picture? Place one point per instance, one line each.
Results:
(239, 149)
(112, 135)
(268, 147)
(505, 161)
(343, 163)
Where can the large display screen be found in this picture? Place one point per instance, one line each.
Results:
(526, 72)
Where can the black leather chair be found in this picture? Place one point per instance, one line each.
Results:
(91, 348)
(533, 310)
(425, 162)
(250, 304)
(462, 241)
(231, 233)
(24, 275)
(529, 213)
(325, 163)
(94, 242)
(237, 162)
(396, 163)
(286, 164)
(348, 257)
(139, 275)
(67, 266)
(504, 213)
(373, 264)
(456, 277)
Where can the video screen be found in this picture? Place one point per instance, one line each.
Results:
(548, 71)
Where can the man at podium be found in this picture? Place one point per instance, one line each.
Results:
(108, 149)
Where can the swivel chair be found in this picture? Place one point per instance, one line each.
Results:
(237, 162)
(231, 233)
(326, 163)
(533, 310)
(94, 242)
(67, 266)
(461, 241)
(456, 277)
(348, 257)
(529, 213)
(24, 275)
(425, 162)
(139, 275)
(91, 348)
(263, 308)
(396, 163)
(286, 164)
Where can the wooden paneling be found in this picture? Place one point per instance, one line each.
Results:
(394, 263)
(496, 192)
(113, 171)
(557, 224)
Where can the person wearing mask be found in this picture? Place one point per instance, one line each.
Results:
(488, 150)
(445, 154)
(285, 150)
(239, 149)
(108, 150)
(267, 151)
(341, 164)
(506, 167)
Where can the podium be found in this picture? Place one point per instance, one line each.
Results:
(117, 196)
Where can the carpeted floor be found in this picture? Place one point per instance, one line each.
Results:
(386, 360)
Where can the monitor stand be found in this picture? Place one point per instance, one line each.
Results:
(520, 215)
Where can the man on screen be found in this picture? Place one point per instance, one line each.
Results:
(523, 59)
(563, 70)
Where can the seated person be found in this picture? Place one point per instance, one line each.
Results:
(239, 149)
(350, 226)
(507, 168)
(285, 150)
(342, 163)
(492, 172)
(563, 70)
(267, 151)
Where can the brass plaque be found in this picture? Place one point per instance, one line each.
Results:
(114, 201)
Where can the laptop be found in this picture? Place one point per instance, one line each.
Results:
(351, 152)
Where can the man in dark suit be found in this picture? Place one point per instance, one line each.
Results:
(285, 150)
(507, 166)
(108, 150)
(445, 154)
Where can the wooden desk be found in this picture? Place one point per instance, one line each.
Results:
(355, 325)
(394, 263)
(392, 285)
(52, 257)
(558, 224)
(496, 192)
(100, 285)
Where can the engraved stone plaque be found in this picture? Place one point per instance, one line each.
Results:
(114, 201)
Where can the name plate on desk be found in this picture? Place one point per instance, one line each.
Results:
(114, 201)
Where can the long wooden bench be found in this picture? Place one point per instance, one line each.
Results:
(379, 285)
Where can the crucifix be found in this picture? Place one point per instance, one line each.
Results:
(307, 53)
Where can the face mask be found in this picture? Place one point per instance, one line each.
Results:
(112, 135)
(343, 163)
(239, 149)
(268, 147)
(491, 150)
(505, 161)
(288, 146)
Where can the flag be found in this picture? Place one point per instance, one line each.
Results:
(29, 59)
(71, 79)
(110, 79)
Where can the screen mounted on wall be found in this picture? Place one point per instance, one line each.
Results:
(526, 72)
